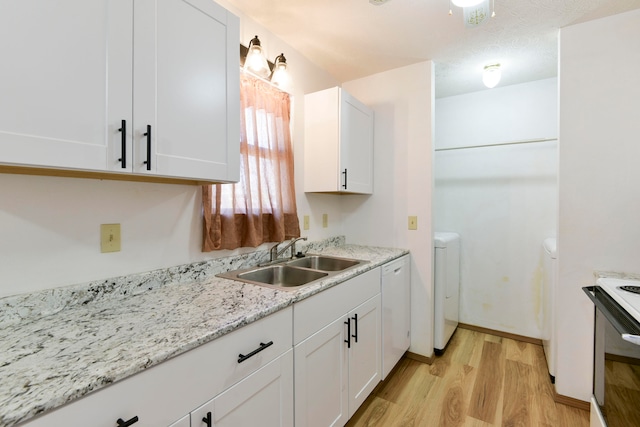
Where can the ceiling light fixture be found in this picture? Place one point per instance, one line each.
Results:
(466, 3)
(475, 11)
(255, 61)
(491, 75)
(378, 2)
(280, 76)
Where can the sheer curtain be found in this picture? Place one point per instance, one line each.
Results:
(262, 206)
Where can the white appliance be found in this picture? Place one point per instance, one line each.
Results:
(616, 353)
(446, 287)
(549, 265)
(396, 312)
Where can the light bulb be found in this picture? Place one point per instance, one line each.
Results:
(466, 3)
(491, 75)
(255, 62)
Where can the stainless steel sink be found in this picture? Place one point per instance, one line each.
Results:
(281, 275)
(292, 274)
(324, 263)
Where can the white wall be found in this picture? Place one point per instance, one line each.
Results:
(599, 178)
(501, 200)
(49, 227)
(402, 100)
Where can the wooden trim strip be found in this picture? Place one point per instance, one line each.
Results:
(500, 334)
(419, 357)
(111, 176)
(570, 401)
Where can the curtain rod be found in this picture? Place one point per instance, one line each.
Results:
(524, 141)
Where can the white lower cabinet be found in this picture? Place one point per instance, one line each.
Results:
(160, 395)
(364, 352)
(182, 422)
(265, 398)
(337, 367)
(321, 381)
(248, 377)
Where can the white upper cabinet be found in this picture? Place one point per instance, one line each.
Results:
(80, 87)
(338, 143)
(186, 88)
(65, 81)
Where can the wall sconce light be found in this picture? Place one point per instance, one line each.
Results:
(491, 75)
(253, 60)
(280, 76)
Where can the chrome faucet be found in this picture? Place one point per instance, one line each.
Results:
(274, 253)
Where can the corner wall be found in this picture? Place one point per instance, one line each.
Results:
(402, 100)
(599, 225)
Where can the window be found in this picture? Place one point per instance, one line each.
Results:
(262, 206)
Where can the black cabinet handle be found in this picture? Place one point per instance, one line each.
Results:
(148, 135)
(123, 143)
(207, 420)
(345, 179)
(122, 423)
(242, 357)
(348, 340)
(355, 318)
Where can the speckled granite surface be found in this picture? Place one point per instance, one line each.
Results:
(59, 345)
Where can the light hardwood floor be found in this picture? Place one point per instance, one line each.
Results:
(480, 380)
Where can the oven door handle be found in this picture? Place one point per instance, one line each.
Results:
(620, 319)
(633, 339)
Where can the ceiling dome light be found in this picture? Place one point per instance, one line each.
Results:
(466, 3)
(491, 75)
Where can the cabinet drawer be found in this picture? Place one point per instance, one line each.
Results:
(162, 394)
(312, 314)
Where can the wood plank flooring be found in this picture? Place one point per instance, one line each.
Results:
(481, 380)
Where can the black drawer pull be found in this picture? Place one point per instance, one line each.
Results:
(242, 357)
(355, 318)
(122, 423)
(207, 420)
(345, 179)
(348, 340)
(148, 135)
(123, 141)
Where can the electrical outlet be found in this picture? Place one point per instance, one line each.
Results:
(325, 220)
(305, 222)
(413, 223)
(109, 238)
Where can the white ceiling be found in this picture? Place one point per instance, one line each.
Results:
(353, 38)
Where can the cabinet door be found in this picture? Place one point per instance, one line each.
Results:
(65, 82)
(182, 422)
(364, 354)
(203, 416)
(265, 398)
(356, 145)
(396, 312)
(186, 90)
(321, 378)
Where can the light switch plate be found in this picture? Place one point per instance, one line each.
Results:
(306, 222)
(109, 238)
(413, 223)
(325, 220)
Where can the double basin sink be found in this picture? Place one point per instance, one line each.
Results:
(294, 273)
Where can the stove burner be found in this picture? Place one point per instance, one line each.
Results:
(632, 289)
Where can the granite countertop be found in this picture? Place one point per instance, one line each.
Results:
(53, 358)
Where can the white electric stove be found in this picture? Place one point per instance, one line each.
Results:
(616, 352)
(625, 292)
